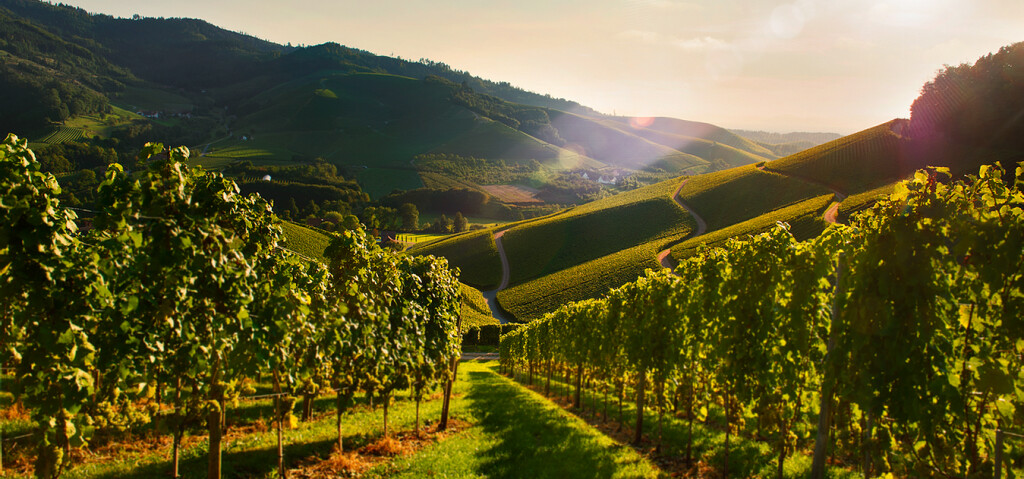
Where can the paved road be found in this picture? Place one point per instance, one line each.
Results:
(833, 209)
(480, 356)
(665, 257)
(492, 296)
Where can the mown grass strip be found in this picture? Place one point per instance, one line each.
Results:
(512, 432)
(748, 456)
(518, 433)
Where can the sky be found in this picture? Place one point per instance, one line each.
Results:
(807, 65)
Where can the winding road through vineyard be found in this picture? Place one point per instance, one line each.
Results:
(665, 257)
(833, 209)
(492, 295)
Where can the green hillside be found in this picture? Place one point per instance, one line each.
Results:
(305, 241)
(851, 164)
(705, 131)
(475, 311)
(804, 218)
(533, 298)
(594, 230)
(728, 197)
(475, 255)
(584, 251)
(616, 147)
(862, 201)
(719, 155)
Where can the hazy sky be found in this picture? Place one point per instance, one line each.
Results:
(811, 65)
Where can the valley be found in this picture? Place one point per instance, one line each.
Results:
(222, 256)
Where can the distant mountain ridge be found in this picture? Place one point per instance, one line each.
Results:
(277, 103)
(769, 137)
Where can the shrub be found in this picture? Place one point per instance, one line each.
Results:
(490, 334)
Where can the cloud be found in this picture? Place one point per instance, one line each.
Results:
(642, 36)
(672, 5)
(702, 44)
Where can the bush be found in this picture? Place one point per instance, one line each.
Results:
(509, 327)
(471, 337)
(490, 334)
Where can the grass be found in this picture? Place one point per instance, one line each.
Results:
(733, 196)
(518, 433)
(852, 164)
(804, 218)
(305, 241)
(748, 457)
(475, 311)
(594, 230)
(474, 253)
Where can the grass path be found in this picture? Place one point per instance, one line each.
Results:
(517, 433)
(665, 257)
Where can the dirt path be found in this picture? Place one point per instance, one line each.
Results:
(833, 209)
(207, 147)
(492, 296)
(665, 257)
(480, 356)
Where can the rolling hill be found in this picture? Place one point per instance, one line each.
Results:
(277, 104)
(585, 251)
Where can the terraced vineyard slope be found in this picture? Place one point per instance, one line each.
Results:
(851, 164)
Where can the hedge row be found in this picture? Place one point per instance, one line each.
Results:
(488, 334)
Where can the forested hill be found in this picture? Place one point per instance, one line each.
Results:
(193, 54)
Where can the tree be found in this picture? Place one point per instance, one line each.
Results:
(443, 225)
(460, 223)
(410, 216)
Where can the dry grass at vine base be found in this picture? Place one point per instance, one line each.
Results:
(14, 412)
(385, 449)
